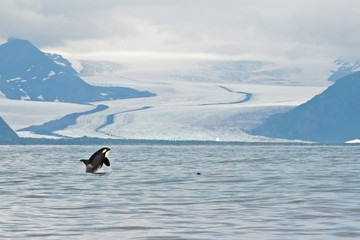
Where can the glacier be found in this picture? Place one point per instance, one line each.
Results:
(216, 101)
(181, 110)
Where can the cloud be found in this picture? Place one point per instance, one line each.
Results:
(291, 30)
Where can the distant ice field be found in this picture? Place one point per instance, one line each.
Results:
(181, 110)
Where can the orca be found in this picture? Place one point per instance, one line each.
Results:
(96, 161)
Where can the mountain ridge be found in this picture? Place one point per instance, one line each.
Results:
(26, 73)
(332, 116)
(6, 132)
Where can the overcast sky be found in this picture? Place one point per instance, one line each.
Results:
(290, 30)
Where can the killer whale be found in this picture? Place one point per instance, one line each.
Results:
(96, 161)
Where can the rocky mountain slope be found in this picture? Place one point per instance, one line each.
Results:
(332, 116)
(26, 73)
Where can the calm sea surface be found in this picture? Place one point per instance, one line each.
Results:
(154, 192)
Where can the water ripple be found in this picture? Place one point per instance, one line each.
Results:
(153, 192)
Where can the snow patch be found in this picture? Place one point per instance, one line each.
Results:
(51, 73)
(23, 98)
(40, 97)
(60, 63)
(26, 97)
(2, 95)
(13, 79)
(353, 141)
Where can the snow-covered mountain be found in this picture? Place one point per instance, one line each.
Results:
(207, 100)
(26, 73)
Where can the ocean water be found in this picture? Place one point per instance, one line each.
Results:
(250, 191)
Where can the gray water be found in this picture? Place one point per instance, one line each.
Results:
(154, 192)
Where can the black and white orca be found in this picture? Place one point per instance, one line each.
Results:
(97, 160)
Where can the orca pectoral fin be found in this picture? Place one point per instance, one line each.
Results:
(107, 162)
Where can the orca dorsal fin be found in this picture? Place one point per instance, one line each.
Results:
(107, 162)
(85, 161)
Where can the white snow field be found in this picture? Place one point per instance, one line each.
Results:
(182, 110)
(22, 114)
(190, 111)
